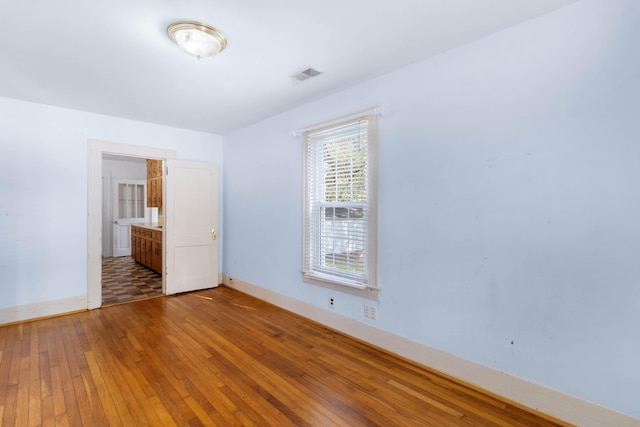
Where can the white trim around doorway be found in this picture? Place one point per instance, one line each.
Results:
(95, 150)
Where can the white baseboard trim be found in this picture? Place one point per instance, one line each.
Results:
(520, 391)
(42, 309)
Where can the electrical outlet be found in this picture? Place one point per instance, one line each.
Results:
(332, 302)
(370, 312)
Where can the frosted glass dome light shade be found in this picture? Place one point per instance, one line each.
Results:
(197, 39)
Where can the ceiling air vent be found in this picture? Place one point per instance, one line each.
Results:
(304, 75)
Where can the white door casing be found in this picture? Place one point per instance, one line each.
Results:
(95, 150)
(129, 205)
(191, 226)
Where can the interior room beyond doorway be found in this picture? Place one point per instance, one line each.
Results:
(126, 202)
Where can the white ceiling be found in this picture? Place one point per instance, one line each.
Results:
(113, 57)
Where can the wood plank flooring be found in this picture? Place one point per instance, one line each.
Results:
(220, 358)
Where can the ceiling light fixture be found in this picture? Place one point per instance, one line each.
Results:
(197, 39)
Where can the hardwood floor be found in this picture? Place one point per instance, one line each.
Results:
(220, 358)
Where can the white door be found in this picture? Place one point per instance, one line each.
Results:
(129, 205)
(191, 226)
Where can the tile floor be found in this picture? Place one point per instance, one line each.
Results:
(123, 280)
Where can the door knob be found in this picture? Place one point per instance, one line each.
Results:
(214, 235)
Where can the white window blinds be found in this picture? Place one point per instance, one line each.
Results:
(338, 204)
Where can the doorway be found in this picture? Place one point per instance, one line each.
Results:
(96, 151)
(189, 238)
(124, 203)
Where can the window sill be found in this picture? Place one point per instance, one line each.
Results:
(367, 292)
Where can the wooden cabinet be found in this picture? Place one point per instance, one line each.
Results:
(156, 251)
(154, 183)
(146, 247)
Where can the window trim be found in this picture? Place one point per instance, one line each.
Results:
(371, 288)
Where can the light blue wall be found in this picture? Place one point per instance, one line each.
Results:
(43, 192)
(509, 203)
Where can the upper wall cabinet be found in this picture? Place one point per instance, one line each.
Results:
(154, 183)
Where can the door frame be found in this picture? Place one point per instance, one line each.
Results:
(95, 150)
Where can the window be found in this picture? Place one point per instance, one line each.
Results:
(340, 203)
(131, 201)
